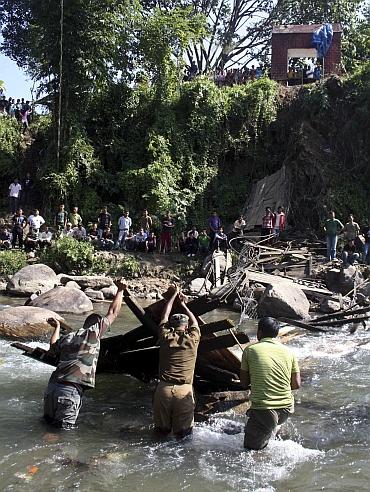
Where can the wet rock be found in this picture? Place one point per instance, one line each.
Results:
(199, 286)
(26, 322)
(342, 280)
(87, 281)
(95, 295)
(63, 300)
(3, 286)
(283, 300)
(109, 292)
(329, 306)
(72, 285)
(30, 279)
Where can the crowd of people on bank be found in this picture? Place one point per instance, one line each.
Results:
(147, 234)
(19, 109)
(230, 76)
(307, 72)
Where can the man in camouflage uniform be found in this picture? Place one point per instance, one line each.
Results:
(173, 404)
(77, 354)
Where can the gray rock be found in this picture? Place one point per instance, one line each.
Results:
(30, 279)
(109, 292)
(72, 285)
(329, 306)
(283, 300)
(63, 300)
(342, 280)
(26, 322)
(3, 286)
(88, 281)
(95, 295)
(365, 290)
(199, 286)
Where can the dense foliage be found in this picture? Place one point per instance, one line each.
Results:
(11, 262)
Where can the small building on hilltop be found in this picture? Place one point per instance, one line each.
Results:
(293, 45)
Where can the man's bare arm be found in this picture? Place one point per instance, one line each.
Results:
(56, 333)
(192, 319)
(244, 379)
(295, 381)
(168, 306)
(116, 304)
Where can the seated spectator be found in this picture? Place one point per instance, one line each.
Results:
(151, 243)
(36, 221)
(32, 241)
(194, 232)
(79, 233)
(191, 244)
(239, 224)
(45, 238)
(220, 240)
(140, 239)
(5, 238)
(106, 241)
(203, 240)
(68, 231)
(130, 241)
(93, 235)
(349, 255)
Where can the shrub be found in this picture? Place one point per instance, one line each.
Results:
(12, 261)
(126, 266)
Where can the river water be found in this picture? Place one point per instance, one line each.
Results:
(323, 447)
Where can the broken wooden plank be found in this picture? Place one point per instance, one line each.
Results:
(216, 326)
(222, 342)
(301, 324)
(341, 322)
(342, 313)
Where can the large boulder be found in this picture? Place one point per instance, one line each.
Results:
(343, 280)
(26, 323)
(199, 286)
(283, 300)
(95, 295)
(31, 279)
(109, 292)
(95, 282)
(63, 300)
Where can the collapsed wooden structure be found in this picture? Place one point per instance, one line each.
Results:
(136, 352)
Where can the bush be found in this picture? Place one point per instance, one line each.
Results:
(67, 255)
(126, 267)
(12, 261)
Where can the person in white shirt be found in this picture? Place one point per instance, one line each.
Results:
(45, 238)
(14, 195)
(79, 233)
(35, 221)
(124, 225)
(239, 224)
(68, 231)
(193, 233)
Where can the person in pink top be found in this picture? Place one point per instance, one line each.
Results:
(279, 222)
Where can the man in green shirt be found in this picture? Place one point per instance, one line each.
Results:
(333, 227)
(75, 218)
(271, 370)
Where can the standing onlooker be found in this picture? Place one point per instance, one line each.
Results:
(124, 225)
(351, 229)
(214, 223)
(60, 219)
(204, 241)
(35, 221)
(279, 221)
(104, 221)
(24, 116)
(15, 189)
(333, 227)
(27, 187)
(220, 240)
(146, 222)
(75, 218)
(166, 235)
(19, 223)
(267, 222)
(366, 233)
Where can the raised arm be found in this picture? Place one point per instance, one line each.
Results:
(56, 333)
(192, 319)
(116, 304)
(168, 306)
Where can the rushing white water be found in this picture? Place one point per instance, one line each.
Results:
(324, 446)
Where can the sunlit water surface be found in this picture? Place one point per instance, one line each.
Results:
(323, 447)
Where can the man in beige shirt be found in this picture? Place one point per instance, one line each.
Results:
(173, 404)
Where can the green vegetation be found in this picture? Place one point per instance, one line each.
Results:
(11, 262)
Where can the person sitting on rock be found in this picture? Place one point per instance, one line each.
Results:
(45, 238)
(77, 354)
(106, 241)
(349, 254)
(5, 238)
(68, 231)
(79, 233)
(130, 241)
(238, 228)
(32, 241)
(140, 239)
(191, 244)
(93, 235)
(151, 243)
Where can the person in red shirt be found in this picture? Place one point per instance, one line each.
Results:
(279, 222)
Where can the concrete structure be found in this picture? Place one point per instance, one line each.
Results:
(295, 41)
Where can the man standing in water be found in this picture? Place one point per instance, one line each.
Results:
(77, 355)
(272, 372)
(173, 404)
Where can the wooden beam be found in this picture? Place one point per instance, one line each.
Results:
(221, 342)
(216, 326)
(301, 324)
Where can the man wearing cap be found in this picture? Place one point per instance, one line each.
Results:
(272, 372)
(77, 355)
(173, 404)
